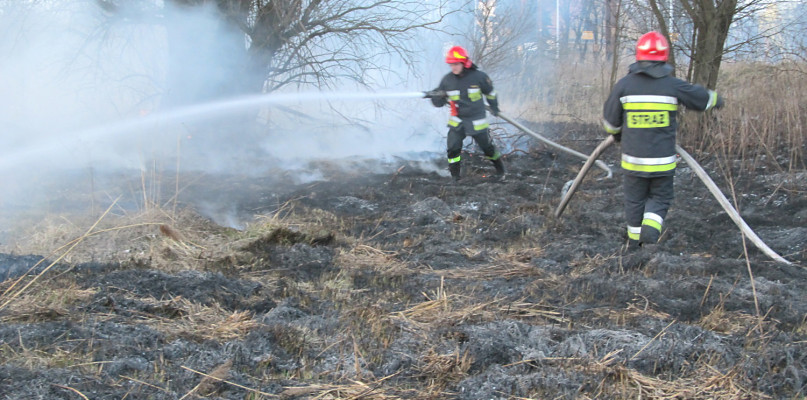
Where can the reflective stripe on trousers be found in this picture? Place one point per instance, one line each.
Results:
(648, 164)
(652, 220)
(634, 232)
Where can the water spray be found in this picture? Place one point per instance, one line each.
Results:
(200, 111)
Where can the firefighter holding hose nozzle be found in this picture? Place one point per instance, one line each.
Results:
(641, 113)
(463, 90)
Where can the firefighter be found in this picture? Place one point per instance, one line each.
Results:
(641, 113)
(463, 89)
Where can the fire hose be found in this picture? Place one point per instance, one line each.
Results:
(548, 142)
(568, 192)
(704, 177)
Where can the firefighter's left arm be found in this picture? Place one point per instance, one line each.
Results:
(697, 97)
(612, 114)
(490, 94)
(437, 100)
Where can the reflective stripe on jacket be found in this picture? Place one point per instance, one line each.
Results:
(643, 109)
(465, 95)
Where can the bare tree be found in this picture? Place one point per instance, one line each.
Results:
(499, 34)
(664, 27)
(615, 25)
(277, 43)
(711, 22)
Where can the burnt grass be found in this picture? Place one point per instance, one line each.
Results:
(396, 283)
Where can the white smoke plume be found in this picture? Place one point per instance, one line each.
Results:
(81, 107)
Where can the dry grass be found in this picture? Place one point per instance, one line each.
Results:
(730, 322)
(639, 308)
(173, 243)
(587, 265)
(574, 94)
(56, 357)
(443, 309)
(620, 381)
(295, 217)
(498, 270)
(441, 370)
(705, 383)
(765, 114)
(364, 257)
(180, 317)
(211, 382)
(52, 301)
(357, 389)
(512, 264)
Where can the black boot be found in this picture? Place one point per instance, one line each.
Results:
(631, 247)
(649, 235)
(455, 168)
(500, 172)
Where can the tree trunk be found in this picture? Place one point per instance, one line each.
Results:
(611, 21)
(614, 9)
(664, 27)
(711, 30)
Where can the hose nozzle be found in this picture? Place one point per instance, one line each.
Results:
(434, 94)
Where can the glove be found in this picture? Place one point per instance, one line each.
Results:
(719, 102)
(435, 94)
(495, 111)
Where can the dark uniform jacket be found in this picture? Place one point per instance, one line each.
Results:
(642, 111)
(464, 94)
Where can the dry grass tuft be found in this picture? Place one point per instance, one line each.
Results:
(443, 309)
(706, 383)
(576, 94)
(214, 380)
(295, 217)
(728, 322)
(506, 270)
(587, 265)
(55, 356)
(438, 306)
(441, 370)
(526, 310)
(639, 308)
(357, 389)
(364, 257)
(46, 303)
(513, 264)
(152, 236)
(183, 318)
(170, 232)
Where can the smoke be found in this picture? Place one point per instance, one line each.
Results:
(92, 101)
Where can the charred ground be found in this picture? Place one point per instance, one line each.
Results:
(402, 285)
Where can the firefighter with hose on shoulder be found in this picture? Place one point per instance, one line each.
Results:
(641, 113)
(463, 89)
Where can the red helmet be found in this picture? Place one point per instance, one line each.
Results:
(457, 54)
(652, 46)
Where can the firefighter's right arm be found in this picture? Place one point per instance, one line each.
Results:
(612, 115)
